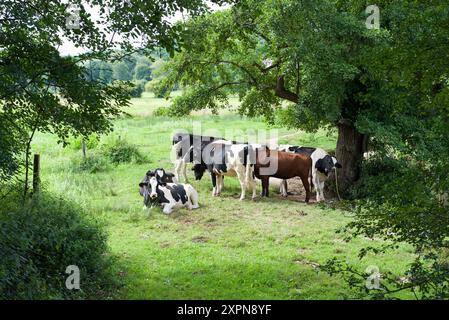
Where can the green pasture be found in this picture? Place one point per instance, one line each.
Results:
(226, 249)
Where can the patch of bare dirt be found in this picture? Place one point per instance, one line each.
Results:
(305, 262)
(200, 239)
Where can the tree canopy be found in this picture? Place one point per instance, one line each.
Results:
(42, 90)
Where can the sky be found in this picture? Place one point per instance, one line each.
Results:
(68, 48)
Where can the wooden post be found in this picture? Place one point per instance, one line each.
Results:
(36, 173)
(83, 143)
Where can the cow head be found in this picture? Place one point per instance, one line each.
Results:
(327, 164)
(199, 170)
(161, 177)
(144, 189)
(154, 184)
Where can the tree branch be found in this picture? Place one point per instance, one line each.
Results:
(284, 93)
(264, 70)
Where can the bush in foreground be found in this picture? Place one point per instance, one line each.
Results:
(39, 239)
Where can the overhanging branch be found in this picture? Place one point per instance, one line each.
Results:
(283, 92)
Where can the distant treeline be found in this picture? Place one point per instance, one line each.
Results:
(142, 71)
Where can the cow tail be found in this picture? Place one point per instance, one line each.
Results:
(175, 149)
(187, 155)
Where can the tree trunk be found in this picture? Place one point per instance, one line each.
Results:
(351, 145)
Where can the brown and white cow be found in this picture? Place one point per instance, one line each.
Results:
(286, 166)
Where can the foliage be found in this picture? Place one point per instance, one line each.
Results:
(121, 71)
(265, 51)
(77, 143)
(138, 89)
(94, 162)
(311, 54)
(143, 72)
(162, 112)
(40, 90)
(403, 185)
(39, 239)
(121, 151)
(391, 85)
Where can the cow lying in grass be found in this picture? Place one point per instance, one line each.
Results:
(322, 165)
(147, 201)
(286, 166)
(168, 195)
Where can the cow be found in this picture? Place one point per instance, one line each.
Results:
(188, 148)
(322, 165)
(289, 165)
(170, 195)
(228, 159)
(147, 201)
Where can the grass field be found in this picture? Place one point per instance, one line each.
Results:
(227, 249)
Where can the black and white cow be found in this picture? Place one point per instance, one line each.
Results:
(167, 177)
(170, 195)
(188, 148)
(228, 159)
(322, 165)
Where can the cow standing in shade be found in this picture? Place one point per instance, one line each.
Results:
(228, 159)
(188, 148)
(289, 165)
(322, 165)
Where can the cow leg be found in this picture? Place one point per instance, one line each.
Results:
(305, 182)
(265, 186)
(241, 177)
(177, 169)
(317, 186)
(252, 184)
(322, 190)
(168, 208)
(219, 184)
(214, 183)
(193, 198)
(283, 189)
(184, 171)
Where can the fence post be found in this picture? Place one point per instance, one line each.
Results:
(83, 143)
(36, 173)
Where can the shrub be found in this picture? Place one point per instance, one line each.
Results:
(39, 239)
(138, 88)
(121, 151)
(91, 142)
(156, 87)
(162, 112)
(92, 163)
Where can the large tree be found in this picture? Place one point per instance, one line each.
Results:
(40, 90)
(387, 87)
(311, 54)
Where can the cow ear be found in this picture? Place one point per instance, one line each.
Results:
(319, 164)
(160, 172)
(142, 184)
(338, 165)
(150, 173)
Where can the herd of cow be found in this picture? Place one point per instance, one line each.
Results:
(248, 162)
